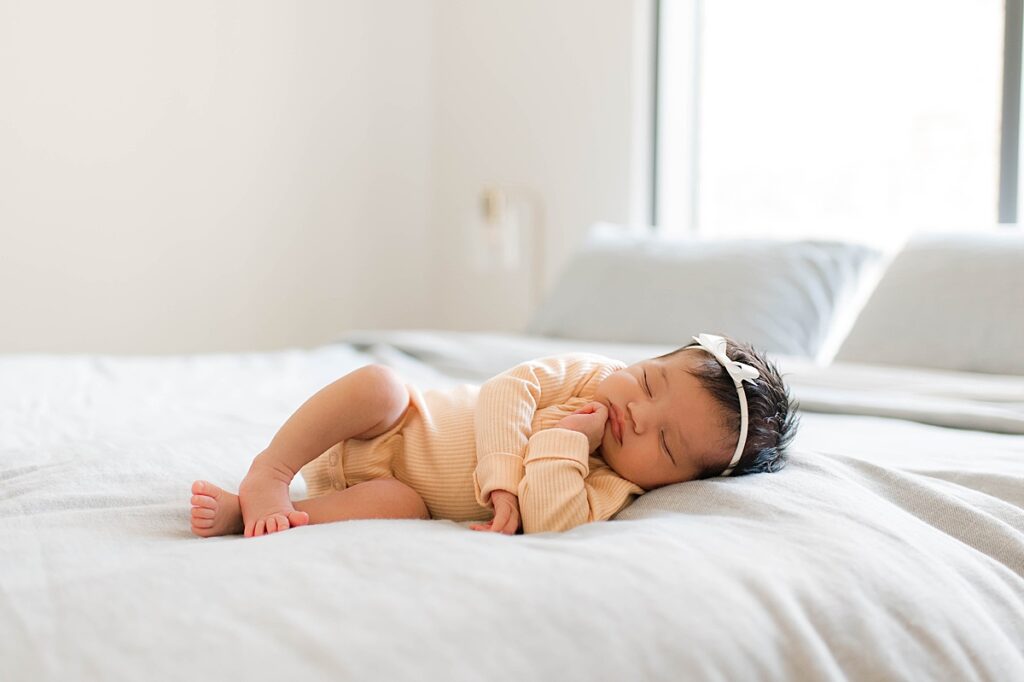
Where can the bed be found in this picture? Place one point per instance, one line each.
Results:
(891, 546)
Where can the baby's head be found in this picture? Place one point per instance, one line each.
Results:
(677, 417)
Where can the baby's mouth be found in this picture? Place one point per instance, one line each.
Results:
(613, 419)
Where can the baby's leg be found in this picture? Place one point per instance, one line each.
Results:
(217, 512)
(380, 498)
(362, 404)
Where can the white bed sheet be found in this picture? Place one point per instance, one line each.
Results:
(888, 548)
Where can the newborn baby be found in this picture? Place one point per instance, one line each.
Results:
(545, 446)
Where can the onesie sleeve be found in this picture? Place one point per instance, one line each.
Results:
(503, 420)
(558, 491)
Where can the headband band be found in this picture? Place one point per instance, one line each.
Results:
(739, 373)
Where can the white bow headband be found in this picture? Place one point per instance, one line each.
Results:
(739, 372)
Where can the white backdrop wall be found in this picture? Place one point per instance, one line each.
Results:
(210, 175)
(548, 98)
(223, 176)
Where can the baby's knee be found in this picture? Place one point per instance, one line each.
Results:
(384, 389)
(397, 500)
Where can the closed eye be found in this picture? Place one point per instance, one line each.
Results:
(665, 444)
(667, 451)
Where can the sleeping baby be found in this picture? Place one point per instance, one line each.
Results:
(545, 446)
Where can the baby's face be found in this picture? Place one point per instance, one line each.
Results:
(667, 435)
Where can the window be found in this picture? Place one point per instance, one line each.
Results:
(801, 117)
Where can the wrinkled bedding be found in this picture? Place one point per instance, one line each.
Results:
(891, 547)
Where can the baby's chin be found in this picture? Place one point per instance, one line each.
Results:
(607, 443)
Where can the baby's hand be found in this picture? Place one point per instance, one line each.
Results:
(506, 513)
(588, 420)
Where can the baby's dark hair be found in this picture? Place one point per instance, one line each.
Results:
(771, 412)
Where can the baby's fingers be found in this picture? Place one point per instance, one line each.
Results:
(500, 519)
(509, 529)
(505, 517)
(512, 525)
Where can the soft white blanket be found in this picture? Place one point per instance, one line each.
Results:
(888, 549)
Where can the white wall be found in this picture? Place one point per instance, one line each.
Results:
(222, 176)
(550, 97)
(211, 175)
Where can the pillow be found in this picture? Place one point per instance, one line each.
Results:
(947, 302)
(641, 287)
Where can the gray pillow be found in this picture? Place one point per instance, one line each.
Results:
(947, 301)
(639, 287)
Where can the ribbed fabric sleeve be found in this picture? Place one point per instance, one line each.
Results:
(506, 408)
(558, 492)
(551, 494)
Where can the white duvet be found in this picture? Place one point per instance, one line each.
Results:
(889, 548)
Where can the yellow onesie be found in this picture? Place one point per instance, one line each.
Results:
(455, 446)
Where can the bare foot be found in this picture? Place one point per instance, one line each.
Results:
(214, 511)
(265, 504)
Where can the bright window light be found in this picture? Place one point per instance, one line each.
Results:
(802, 117)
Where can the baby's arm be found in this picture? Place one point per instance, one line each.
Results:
(557, 491)
(503, 420)
(552, 494)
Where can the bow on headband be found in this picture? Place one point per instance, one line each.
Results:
(737, 370)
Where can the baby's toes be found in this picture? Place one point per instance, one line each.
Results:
(203, 488)
(204, 501)
(276, 523)
(203, 518)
